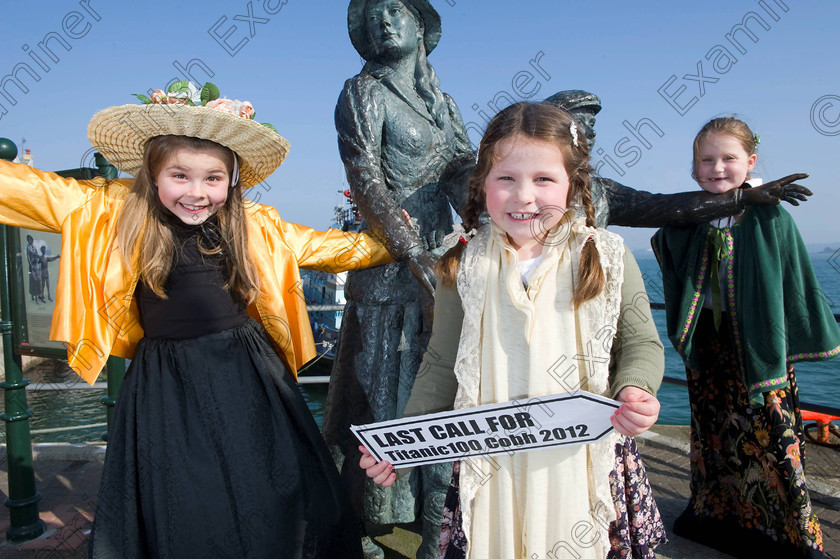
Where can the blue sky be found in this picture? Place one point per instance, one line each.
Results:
(291, 61)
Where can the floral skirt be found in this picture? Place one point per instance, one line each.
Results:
(636, 532)
(748, 492)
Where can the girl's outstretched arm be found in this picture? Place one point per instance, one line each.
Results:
(40, 200)
(330, 251)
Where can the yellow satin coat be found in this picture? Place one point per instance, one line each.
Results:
(95, 312)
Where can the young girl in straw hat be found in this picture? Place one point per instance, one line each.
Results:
(212, 451)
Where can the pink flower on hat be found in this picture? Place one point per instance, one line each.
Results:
(246, 110)
(236, 107)
(158, 96)
(186, 93)
(223, 105)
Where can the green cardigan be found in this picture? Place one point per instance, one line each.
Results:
(775, 308)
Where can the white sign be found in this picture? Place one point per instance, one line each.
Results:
(541, 422)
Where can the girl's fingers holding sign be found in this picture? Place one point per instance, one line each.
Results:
(638, 413)
(626, 423)
(381, 473)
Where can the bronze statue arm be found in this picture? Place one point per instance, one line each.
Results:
(637, 208)
(359, 117)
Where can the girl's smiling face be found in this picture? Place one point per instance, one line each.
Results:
(722, 163)
(526, 191)
(193, 185)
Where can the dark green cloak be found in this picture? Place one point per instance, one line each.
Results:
(775, 308)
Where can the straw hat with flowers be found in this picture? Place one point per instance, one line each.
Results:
(120, 133)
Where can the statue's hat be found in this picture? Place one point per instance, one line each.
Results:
(358, 30)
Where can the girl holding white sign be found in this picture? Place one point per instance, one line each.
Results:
(539, 302)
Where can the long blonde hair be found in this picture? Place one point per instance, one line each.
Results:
(540, 121)
(142, 229)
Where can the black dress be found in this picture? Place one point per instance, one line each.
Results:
(212, 451)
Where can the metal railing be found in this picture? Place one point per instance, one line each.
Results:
(22, 502)
(23, 499)
(804, 406)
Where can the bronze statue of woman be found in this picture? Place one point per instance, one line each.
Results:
(397, 135)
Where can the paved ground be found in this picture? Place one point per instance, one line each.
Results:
(67, 476)
(665, 454)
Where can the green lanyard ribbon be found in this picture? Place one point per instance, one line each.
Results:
(718, 253)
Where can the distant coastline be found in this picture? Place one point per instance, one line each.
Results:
(826, 249)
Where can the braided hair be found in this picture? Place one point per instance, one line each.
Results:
(545, 122)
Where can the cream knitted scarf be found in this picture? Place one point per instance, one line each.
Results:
(517, 344)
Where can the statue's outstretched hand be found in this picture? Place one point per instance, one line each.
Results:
(422, 266)
(775, 191)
